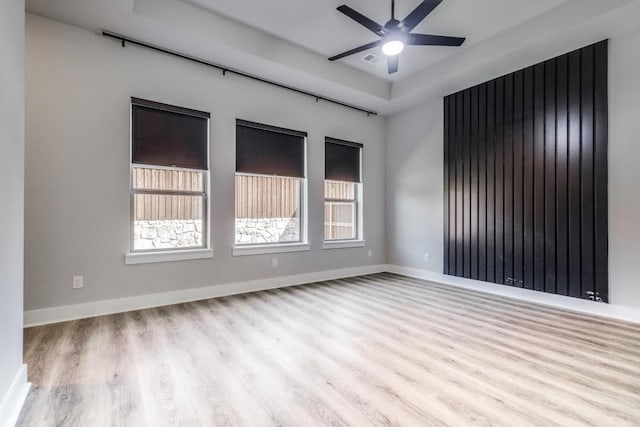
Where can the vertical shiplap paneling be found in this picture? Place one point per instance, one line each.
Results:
(601, 126)
(539, 177)
(474, 191)
(482, 182)
(460, 205)
(508, 151)
(526, 177)
(451, 188)
(466, 144)
(499, 179)
(518, 179)
(447, 209)
(551, 176)
(562, 175)
(574, 169)
(587, 194)
(490, 149)
(528, 195)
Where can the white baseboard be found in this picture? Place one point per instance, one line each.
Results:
(574, 304)
(14, 399)
(120, 305)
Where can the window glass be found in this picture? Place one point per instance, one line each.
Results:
(340, 210)
(168, 209)
(267, 210)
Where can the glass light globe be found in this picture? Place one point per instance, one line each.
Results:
(393, 47)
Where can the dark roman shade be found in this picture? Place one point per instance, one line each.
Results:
(269, 150)
(164, 135)
(342, 160)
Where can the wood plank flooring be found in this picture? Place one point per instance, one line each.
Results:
(373, 350)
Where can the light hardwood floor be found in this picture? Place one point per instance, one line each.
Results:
(374, 350)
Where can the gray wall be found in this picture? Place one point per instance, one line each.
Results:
(624, 173)
(11, 188)
(415, 190)
(77, 167)
(415, 187)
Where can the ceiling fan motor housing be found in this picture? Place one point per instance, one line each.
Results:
(393, 25)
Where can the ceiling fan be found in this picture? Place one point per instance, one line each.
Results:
(394, 35)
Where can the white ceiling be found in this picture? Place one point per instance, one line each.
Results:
(289, 40)
(318, 26)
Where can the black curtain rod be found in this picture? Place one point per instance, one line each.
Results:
(225, 70)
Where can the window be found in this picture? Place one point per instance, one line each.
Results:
(169, 176)
(270, 185)
(342, 191)
(340, 210)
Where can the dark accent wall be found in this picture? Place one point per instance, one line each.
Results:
(526, 177)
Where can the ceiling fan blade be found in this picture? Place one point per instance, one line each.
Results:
(392, 63)
(363, 20)
(430, 40)
(418, 14)
(356, 50)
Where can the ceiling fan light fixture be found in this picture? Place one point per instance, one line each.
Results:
(393, 47)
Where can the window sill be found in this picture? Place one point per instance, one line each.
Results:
(168, 256)
(270, 249)
(340, 244)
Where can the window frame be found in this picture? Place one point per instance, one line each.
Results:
(358, 201)
(242, 249)
(142, 256)
(356, 211)
(205, 207)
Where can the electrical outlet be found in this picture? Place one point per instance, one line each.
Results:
(78, 282)
(427, 257)
(370, 253)
(274, 262)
